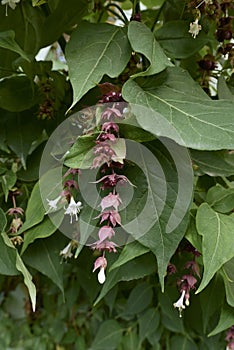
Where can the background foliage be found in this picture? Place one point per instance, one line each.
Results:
(149, 59)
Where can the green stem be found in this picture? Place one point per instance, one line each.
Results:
(117, 15)
(158, 15)
(136, 7)
(227, 182)
(123, 18)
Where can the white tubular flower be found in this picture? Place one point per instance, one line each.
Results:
(179, 303)
(101, 275)
(67, 251)
(53, 204)
(195, 28)
(11, 3)
(73, 209)
(101, 264)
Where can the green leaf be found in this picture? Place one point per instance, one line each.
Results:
(44, 229)
(182, 342)
(15, 303)
(163, 107)
(211, 300)
(191, 234)
(47, 187)
(220, 163)
(62, 19)
(143, 41)
(139, 299)
(129, 252)
(152, 3)
(148, 323)
(43, 256)
(31, 173)
(108, 336)
(221, 199)
(8, 181)
(132, 132)
(226, 320)
(95, 50)
(7, 255)
(134, 269)
(223, 90)
(157, 216)
(80, 154)
(130, 341)
(27, 23)
(22, 129)
(7, 41)
(3, 220)
(17, 93)
(228, 278)
(170, 316)
(35, 211)
(217, 241)
(22, 268)
(177, 42)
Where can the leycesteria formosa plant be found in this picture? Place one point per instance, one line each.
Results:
(116, 174)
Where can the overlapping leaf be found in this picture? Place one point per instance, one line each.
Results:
(7, 41)
(177, 42)
(228, 277)
(143, 41)
(156, 216)
(220, 163)
(7, 255)
(226, 320)
(164, 107)
(22, 268)
(43, 256)
(217, 240)
(95, 50)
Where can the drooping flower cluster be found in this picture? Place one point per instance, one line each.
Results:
(109, 216)
(230, 338)
(16, 223)
(108, 137)
(188, 281)
(66, 201)
(73, 208)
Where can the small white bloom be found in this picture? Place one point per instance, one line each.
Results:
(101, 275)
(11, 3)
(195, 28)
(73, 209)
(179, 303)
(67, 251)
(53, 204)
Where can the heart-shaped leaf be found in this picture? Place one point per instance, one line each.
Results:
(95, 50)
(144, 42)
(163, 106)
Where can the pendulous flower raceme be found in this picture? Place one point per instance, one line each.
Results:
(188, 281)
(230, 338)
(106, 159)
